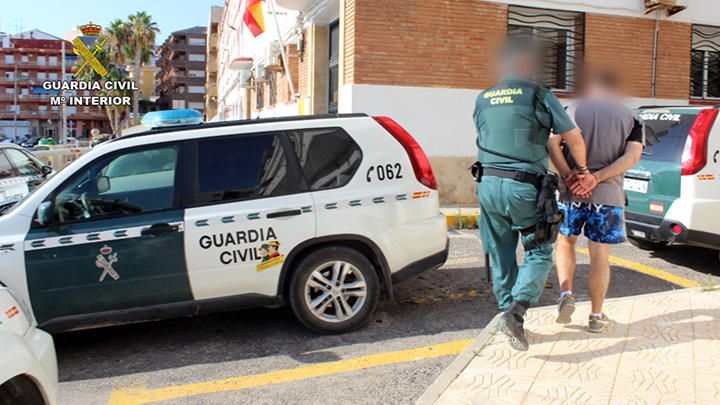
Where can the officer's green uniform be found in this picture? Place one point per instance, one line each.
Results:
(515, 118)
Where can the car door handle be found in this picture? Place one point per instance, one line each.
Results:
(159, 229)
(286, 213)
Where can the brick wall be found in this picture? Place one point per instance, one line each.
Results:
(444, 43)
(452, 43)
(348, 33)
(627, 43)
(673, 63)
(303, 84)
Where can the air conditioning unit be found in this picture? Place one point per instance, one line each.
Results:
(671, 6)
(273, 60)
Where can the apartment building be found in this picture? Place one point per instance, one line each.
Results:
(147, 82)
(423, 63)
(27, 60)
(181, 79)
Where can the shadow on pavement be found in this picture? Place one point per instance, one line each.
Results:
(695, 258)
(449, 299)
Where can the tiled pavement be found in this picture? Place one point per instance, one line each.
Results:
(660, 349)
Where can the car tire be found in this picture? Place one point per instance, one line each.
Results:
(646, 244)
(334, 290)
(20, 390)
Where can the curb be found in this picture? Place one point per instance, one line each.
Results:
(451, 372)
(461, 220)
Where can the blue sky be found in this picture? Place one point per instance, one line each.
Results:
(58, 16)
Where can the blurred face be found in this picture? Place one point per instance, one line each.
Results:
(518, 62)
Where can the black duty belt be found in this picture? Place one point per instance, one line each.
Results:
(517, 175)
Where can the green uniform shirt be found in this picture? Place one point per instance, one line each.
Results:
(560, 123)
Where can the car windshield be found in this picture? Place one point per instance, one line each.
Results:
(665, 134)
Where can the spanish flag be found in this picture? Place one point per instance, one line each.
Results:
(253, 17)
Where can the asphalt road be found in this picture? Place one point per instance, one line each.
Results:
(447, 305)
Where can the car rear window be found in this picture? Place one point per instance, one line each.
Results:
(328, 156)
(242, 167)
(665, 134)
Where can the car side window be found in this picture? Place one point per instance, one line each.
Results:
(130, 183)
(24, 164)
(6, 169)
(242, 167)
(328, 156)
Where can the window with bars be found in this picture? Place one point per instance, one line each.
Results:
(705, 62)
(561, 35)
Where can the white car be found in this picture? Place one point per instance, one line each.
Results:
(324, 213)
(20, 172)
(28, 368)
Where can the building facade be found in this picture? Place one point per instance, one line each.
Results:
(26, 61)
(211, 68)
(424, 63)
(181, 79)
(147, 82)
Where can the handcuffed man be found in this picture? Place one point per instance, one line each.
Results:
(595, 204)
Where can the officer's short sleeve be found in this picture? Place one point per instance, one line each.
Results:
(561, 122)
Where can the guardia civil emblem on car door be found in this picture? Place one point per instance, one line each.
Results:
(270, 254)
(104, 261)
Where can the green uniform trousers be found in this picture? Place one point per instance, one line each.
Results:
(507, 207)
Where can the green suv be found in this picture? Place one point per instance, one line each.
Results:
(673, 193)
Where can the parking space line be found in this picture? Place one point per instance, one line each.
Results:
(648, 270)
(617, 261)
(142, 395)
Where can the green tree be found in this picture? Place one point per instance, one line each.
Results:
(138, 48)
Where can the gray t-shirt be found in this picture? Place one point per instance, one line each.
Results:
(606, 127)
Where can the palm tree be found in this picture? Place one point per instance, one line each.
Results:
(118, 34)
(139, 44)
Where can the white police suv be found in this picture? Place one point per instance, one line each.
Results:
(324, 213)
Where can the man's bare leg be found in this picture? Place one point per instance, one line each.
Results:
(565, 263)
(599, 278)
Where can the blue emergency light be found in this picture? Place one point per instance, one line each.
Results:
(170, 118)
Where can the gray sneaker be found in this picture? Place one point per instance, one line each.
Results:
(566, 307)
(598, 324)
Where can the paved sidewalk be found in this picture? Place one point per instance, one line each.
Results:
(660, 348)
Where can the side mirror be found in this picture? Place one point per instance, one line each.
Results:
(102, 184)
(44, 213)
(45, 170)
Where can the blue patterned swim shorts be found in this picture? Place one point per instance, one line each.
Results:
(602, 223)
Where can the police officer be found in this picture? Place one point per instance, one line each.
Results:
(514, 119)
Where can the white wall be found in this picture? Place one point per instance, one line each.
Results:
(439, 119)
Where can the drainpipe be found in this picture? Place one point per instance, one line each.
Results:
(655, 49)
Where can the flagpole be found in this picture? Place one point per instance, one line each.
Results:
(282, 51)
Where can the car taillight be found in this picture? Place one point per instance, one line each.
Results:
(694, 156)
(420, 163)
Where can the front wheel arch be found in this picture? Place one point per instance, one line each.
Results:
(356, 242)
